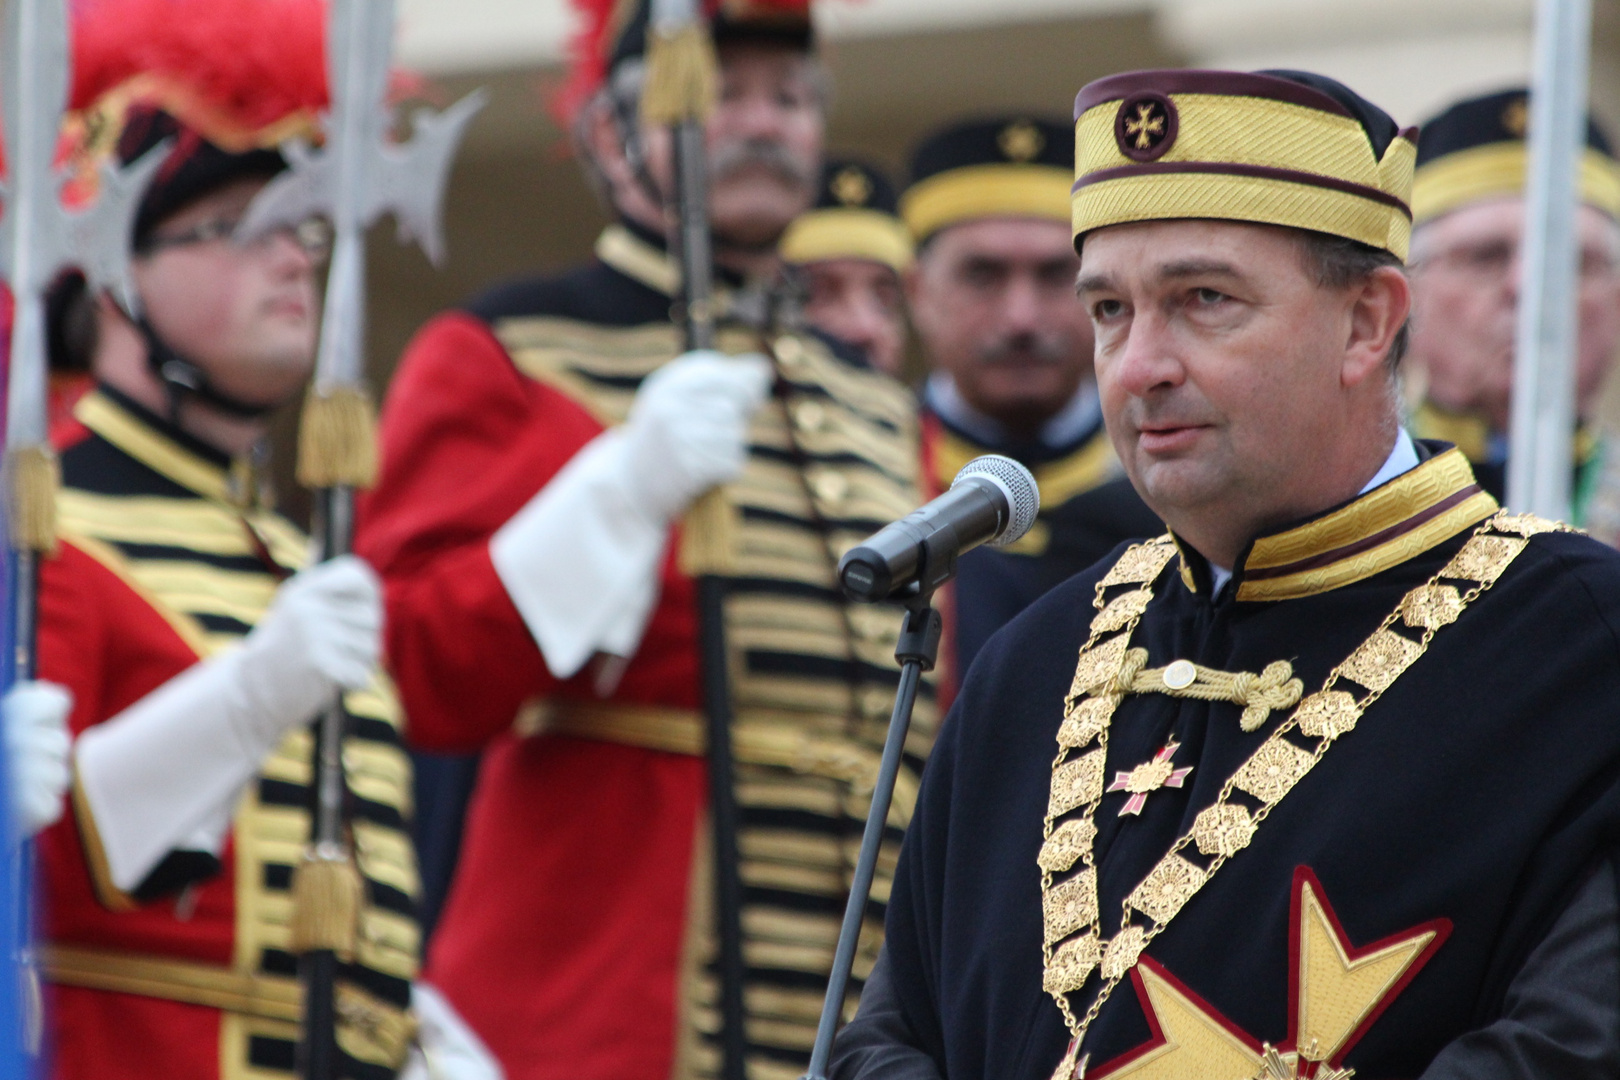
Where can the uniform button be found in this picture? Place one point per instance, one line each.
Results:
(789, 350)
(810, 416)
(1180, 675)
(829, 486)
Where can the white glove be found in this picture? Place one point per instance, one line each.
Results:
(581, 560)
(447, 1049)
(167, 771)
(688, 427)
(37, 744)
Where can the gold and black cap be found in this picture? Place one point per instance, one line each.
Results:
(1272, 147)
(1008, 167)
(1475, 150)
(856, 216)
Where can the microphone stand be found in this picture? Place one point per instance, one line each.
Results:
(917, 650)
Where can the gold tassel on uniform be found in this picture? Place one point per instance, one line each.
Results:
(35, 477)
(682, 76)
(327, 893)
(337, 446)
(708, 536)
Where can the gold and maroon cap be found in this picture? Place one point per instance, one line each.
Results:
(1275, 148)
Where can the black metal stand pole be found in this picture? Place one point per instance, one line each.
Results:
(318, 968)
(917, 650)
(692, 248)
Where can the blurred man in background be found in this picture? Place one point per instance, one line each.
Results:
(540, 449)
(1009, 350)
(1468, 206)
(850, 251)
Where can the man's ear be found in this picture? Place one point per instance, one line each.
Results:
(1379, 307)
(605, 146)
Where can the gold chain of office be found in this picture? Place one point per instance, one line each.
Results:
(1109, 669)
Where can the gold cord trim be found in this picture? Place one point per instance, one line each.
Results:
(337, 444)
(101, 415)
(35, 477)
(1273, 688)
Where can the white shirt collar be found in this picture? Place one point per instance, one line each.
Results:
(1072, 422)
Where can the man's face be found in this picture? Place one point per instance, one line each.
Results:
(245, 314)
(764, 137)
(993, 302)
(1466, 276)
(858, 301)
(1219, 361)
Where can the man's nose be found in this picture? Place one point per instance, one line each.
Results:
(1145, 361)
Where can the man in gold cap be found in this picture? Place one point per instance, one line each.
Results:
(1009, 355)
(849, 251)
(1323, 782)
(1468, 212)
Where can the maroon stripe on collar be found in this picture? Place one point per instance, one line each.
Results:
(1262, 172)
(1229, 83)
(1383, 536)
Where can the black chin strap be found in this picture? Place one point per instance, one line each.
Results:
(182, 378)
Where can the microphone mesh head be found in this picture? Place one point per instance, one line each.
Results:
(1023, 496)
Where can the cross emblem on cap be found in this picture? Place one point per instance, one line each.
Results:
(1149, 777)
(851, 187)
(1021, 141)
(1145, 126)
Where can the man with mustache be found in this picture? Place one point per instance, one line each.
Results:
(850, 251)
(1468, 207)
(1009, 349)
(541, 451)
(1323, 782)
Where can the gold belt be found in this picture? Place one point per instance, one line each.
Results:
(778, 743)
(191, 982)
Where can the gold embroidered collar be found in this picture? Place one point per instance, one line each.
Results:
(1385, 527)
(212, 477)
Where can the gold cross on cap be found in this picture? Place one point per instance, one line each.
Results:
(1149, 777)
(1147, 123)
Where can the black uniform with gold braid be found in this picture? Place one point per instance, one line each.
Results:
(1312, 822)
(1473, 152)
(1017, 167)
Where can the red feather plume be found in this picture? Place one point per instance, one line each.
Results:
(234, 70)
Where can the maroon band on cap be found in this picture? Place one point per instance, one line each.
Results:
(1181, 81)
(1262, 172)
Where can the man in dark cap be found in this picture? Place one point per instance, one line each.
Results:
(1326, 780)
(850, 251)
(540, 450)
(1468, 213)
(1009, 349)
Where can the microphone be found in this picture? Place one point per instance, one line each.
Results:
(992, 501)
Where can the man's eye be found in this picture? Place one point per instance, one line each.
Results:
(1208, 297)
(1107, 309)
